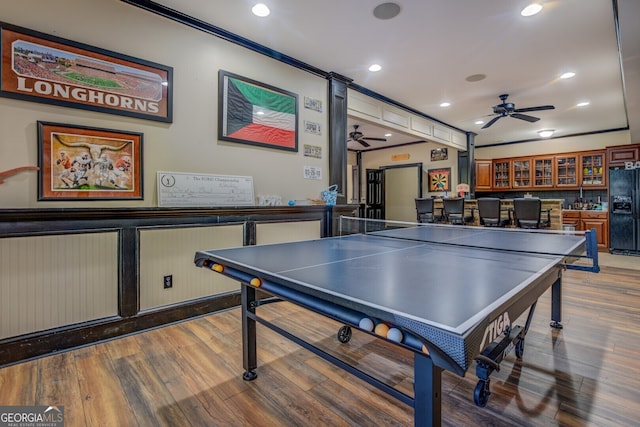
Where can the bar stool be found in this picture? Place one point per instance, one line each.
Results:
(454, 211)
(425, 210)
(490, 212)
(527, 213)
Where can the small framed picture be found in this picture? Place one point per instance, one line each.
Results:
(85, 163)
(312, 127)
(438, 154)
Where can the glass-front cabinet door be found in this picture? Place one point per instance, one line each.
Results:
(593, 171)
(501, 174)
(543, 170)
(566, 171)
(521, 173)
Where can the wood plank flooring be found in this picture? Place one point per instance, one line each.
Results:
(190, 373)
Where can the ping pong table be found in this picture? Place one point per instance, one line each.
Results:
(453, 291)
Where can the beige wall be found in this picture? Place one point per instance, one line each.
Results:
(418, 153)
(189, 144)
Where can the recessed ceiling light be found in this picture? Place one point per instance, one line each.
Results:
(567, 75)
(445, 104)
(386, 10)
(387, 134)
(531, 10)
(582, 104)
(479, 122)
(546, 133)
(260, 10)
(375, 67)
(476, 77)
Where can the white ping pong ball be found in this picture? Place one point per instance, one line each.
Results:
(366, 324)
(395, 335)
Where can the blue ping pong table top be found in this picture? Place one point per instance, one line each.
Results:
(450, 286)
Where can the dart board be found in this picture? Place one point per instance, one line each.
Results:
(439, 179)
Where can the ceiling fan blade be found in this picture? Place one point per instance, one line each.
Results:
(364, 143)
(540, 108)
(375, 139)
(525, 117)
(492, 121)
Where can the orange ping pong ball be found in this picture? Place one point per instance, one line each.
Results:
(381, 329)
(217, 267)
(256, 282)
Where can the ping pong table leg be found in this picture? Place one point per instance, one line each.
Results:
(249, 358)
(556, 304)
(427, 384)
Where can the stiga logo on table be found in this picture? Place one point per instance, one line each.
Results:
(31, 416)
(495, 329)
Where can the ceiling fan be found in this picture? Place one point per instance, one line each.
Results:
(508, 109)
(358, 136)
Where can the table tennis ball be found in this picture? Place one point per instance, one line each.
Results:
(381, 329)
(395, 334)
(366, 324)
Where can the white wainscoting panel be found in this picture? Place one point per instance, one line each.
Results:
(281, 232)
(171, 251)
(52, 281)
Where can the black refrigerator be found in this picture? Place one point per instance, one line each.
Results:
(624, 206)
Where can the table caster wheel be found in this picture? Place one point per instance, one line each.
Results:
(520, 348)
(344, 334)
(249, 376)
(555, 324)
(481, 393)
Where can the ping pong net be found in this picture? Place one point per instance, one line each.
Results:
(578, 248)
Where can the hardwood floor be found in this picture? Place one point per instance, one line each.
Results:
(191, 373)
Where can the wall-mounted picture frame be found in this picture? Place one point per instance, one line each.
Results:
(439, 179)
(87, 163)
(43, 68)
(313, 104)
(254, 113)
(438, 154)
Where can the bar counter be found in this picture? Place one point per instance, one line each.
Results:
(554, 204)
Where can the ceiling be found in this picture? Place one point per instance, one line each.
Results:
(430, 48)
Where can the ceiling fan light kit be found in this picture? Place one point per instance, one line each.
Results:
(531, 10)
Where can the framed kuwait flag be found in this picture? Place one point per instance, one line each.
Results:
(254, 113)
